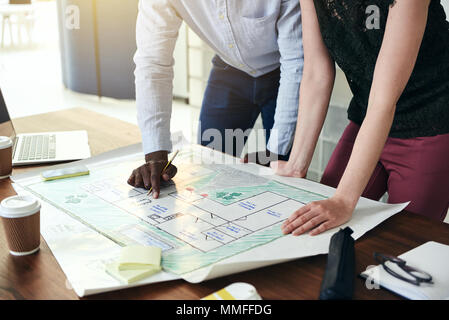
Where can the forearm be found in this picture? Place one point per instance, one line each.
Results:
(403, 36)
(286, 115)
(154, 106)
(156, 34)
(292, 64)
(314, 94)
(367, 149)
(314, 99)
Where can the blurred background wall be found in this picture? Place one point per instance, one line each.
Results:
(95, 63)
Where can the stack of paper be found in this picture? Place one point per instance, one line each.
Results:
(135, 263)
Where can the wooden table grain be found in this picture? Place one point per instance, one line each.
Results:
(40, 277)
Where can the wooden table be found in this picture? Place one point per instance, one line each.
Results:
(40, 277)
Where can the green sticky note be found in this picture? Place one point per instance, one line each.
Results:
(130, 276)
(139, 257)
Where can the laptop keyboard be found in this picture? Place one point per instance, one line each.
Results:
(38, 147)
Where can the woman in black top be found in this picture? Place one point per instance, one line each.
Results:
(395, 55)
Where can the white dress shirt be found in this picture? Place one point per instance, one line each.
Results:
(255, 36)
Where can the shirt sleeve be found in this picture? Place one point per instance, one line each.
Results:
(292, 63)
(156, 33)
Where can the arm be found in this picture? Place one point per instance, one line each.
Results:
(156, 34)
(307, 76)
(403, 36)
(315, 92)
(292, 62)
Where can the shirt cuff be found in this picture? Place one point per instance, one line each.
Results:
(151, 143)
(281, 140)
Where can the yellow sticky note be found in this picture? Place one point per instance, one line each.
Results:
(130, 276)
(139, 257)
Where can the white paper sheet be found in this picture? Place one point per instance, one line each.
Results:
(82, 252)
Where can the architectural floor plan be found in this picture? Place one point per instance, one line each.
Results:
(216, 218)
(207, 213)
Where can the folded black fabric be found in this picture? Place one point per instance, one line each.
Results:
(338, 281)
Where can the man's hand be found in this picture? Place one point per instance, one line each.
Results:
(150, 174)
(264, 158)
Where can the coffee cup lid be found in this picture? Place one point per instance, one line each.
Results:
(19, 206)
(5, 142)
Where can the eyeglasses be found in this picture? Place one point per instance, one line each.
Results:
(404, 272)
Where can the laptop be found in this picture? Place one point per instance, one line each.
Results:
(45, 147)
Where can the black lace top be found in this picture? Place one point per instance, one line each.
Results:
(423, 109)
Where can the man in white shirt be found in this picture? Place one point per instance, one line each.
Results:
(257, 70)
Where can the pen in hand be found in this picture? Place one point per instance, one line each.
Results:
(165, 168)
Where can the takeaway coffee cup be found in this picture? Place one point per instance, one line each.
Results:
(5, 157)
(21, 221)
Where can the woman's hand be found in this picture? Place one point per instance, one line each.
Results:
(286, 169)
(318, 217)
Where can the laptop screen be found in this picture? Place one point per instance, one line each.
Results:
(6, 127)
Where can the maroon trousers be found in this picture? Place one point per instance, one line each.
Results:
(415, 170)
